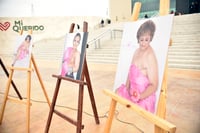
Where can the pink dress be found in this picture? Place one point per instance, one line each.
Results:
(66, 60)
(23, 51)
(138, 83)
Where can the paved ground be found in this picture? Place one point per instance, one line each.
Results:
(183, 108)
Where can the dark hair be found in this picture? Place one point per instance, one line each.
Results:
(28, 36)
(77, 34)
(147, 27)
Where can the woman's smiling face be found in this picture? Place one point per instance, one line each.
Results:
(76, 41)
(144, 41)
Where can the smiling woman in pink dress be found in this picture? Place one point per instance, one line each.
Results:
(71, 60)
(23, 49)
(142, 80)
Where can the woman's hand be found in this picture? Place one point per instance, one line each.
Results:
(135, 96)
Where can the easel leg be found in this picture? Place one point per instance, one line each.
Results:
(53, 105)
(13, 84)
(28, 100)
(91, 94)
(6, 95)
(40, 79)
(110, 116)
(80, 109)
(159, 130)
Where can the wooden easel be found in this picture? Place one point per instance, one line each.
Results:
(161, 125)
(81, 83)
(12, 82)
(24, 101)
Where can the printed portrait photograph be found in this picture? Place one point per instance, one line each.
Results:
(22, 51)
(73, 55)
(142, 60)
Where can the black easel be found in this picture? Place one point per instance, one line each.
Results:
(13, 84)
(81, 83)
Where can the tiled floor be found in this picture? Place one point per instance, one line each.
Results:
(183, 108)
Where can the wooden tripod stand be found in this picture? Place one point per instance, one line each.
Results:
(81, 83)
(12, 82)
(161, 125)
(27, 102)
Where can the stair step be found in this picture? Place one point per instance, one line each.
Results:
(185, 66)
(184, 52)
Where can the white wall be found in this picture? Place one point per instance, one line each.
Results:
(119, 10)
(12, 8)
(24, 8)
(55, 15)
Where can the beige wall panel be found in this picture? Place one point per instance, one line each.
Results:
(120, 10)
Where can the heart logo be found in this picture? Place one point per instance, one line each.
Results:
(4, 26)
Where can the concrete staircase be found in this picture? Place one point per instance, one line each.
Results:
(184, 52)
(108, 53)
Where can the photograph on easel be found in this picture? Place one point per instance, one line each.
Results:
(142, 60)
(22, 52)
(73, 55)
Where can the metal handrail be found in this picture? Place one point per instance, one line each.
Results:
(96, 40)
